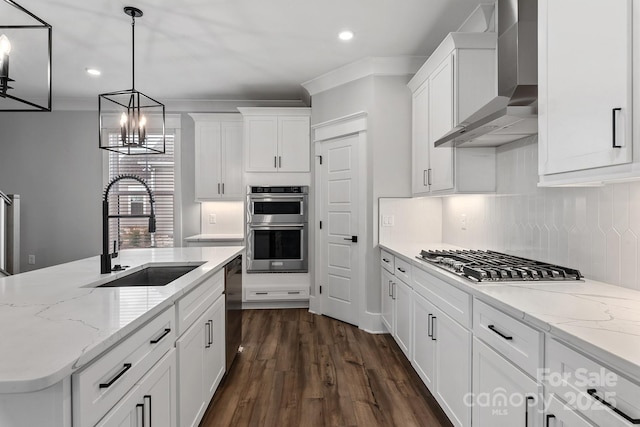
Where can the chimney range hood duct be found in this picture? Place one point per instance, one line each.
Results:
(512, 114)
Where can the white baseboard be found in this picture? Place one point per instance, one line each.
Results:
(372, 323)
(257, 305)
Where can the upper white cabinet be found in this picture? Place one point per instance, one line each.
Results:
(585, 91)
(456, 81)
(218, 140)
(276, 139)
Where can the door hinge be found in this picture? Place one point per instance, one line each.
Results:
(320, 288)
(320, 225)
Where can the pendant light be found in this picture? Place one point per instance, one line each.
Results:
(132, 112)
(33, 37)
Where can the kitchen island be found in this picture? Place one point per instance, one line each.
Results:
(56, 321)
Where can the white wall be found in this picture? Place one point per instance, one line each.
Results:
(592, 229)
(229, 218)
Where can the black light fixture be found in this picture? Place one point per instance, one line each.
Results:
(34, 37)
(132, 111)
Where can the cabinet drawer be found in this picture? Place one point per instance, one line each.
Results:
(98, 387)
(403, 270)
(520, 343)
(563, 416)
(386, 260)
(600, 394)
(448, 298)
(192, 305)
(276, 294)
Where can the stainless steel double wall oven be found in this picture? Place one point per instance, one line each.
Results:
(277, 229)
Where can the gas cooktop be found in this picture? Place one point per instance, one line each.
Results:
(491, 266)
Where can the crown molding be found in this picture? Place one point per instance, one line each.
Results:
(370, 66)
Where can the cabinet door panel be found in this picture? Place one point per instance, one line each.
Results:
(191, 405)
(387, 300)
(424, 354)
(440, 122)
(214, 354)
(232, 160)
(420, 138)
(403, 316)
(261, 143)
(208, 159)
(586, 74)
(453, 368)
(158, 391)
(125, 413)
(500, 391)
(293, 144)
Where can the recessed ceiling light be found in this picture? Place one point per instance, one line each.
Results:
(93, 71)
(345, 35)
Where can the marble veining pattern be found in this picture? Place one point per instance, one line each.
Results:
(600, 319)
(52, 324)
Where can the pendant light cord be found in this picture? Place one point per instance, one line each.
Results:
(133, 52)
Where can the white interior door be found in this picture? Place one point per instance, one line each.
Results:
(340, 216)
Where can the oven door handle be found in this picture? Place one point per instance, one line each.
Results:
(275, 226)
(273, 197)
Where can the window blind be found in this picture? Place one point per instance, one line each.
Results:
(129, 197)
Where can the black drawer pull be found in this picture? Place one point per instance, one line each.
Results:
(262, 293)
(429, 326)
(493, 328)
(402, 270)
(124, 369)
(613, 120)
(549, 416)
(385, 260)
(164, 334)
(293, 292)
(526, 411)
(208, 332)
(592, 393)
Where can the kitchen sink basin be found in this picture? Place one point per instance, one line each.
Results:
(150, 276)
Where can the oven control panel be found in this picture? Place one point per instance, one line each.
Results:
(280, 190)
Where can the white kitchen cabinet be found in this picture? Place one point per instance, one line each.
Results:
(456, 80)
(424, 355)
(151, 402)
(387, 300)
(503, 395)
(402, 316)
(585, 91)
(218, 146)
(559, 414)
(276, 139)
(201, 363)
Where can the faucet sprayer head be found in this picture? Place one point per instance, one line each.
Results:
(152, 224)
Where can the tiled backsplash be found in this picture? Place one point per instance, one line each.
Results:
(593, 229)
(229, 218)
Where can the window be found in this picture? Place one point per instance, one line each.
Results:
(129, 197)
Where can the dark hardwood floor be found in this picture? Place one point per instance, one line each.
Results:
(300, 369)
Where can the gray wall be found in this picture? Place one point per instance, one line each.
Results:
(387, 100)
(52, 160)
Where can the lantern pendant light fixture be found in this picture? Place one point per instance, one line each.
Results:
(133, 112)
(5, 49)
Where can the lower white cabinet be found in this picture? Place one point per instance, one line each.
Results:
(151, 402)
(442, 358)
(403, 316)
(387, 300)
(201, 363)
(558, 414)
(503, 395)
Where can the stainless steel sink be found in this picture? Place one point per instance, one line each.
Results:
(151, 276)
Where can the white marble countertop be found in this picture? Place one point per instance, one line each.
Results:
(214, 237)
(52, 323)
(600, 319)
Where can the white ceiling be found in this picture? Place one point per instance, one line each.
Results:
(230, 49)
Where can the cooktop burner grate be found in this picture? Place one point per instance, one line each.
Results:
(482, 266)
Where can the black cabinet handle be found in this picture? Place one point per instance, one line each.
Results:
(592, 392)
(354, 239)
(614, 121)
(279, 161)
(424, 178)
(164, 334)
(393, 290)
(433, 328)
(147, 409)
(493, 328)
(385, 260)
(262, 293)
(526, 411)
(223, 188)
(140, 414)
(293, 292)
(218, 188)
(210, 322)
(402, 270)
(124, 369)
(429, 177)
(275, 162)
(429, 327)
(208, 344)
(549, 416)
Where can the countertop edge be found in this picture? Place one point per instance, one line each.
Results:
(86, 358)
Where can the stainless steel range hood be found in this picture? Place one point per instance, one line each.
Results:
(512, 114)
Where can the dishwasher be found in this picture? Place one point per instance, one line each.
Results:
(233, 308)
